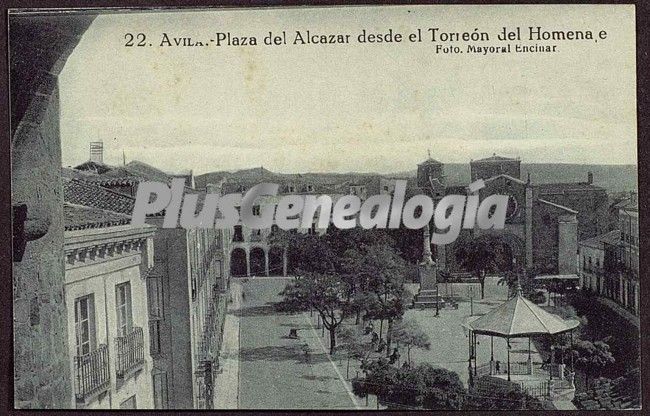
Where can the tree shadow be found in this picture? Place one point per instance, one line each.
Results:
(271, 353)
(293, 353)
(317, 378)
(260, 310)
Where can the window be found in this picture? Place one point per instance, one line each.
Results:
(217, 268)
(155, 347)
(156, 312)
(123, 305)
(238, 235)
(256, 210)
(155, 295)
(160, 396)
(129, 403)
(84, 322)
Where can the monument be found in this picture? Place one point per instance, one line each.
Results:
(427, 296)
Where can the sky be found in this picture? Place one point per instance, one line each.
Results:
(356, 107)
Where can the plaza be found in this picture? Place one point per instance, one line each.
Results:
(273, 370)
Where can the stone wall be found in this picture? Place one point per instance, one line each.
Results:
(39, 47)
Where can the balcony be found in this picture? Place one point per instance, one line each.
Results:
(91, 374)
(130, 353)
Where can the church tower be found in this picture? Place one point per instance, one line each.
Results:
(431, 176)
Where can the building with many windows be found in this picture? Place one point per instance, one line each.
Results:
(187, 287)
(107, 261)
(609, 263)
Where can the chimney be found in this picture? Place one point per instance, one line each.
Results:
(590, 178)
(97, 152)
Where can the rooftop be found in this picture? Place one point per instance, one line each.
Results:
(560, 187)
(599, 241)
(520, 317)
(430, 161)
(495, 158)
(81, 192)
(77, 217)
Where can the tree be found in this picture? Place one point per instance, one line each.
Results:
(409, 333)
(510, 279)
(378, 272)
(491, 393)
(353, 342)
(484, 254)
(592, 357)
(305, 252)
(323, 292)
(424, 386)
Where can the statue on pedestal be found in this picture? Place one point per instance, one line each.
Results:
(428, 271)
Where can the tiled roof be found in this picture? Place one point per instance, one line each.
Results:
(553, 204)
(503, 175)
(81, 192)
(94, 166)
(112, 181)
(598, 241)
(77, 217)
(137, 169)
(551, 188)
(72, 173)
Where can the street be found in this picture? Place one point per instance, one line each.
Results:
(274, 371)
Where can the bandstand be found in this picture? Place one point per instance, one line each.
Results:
(519, 317)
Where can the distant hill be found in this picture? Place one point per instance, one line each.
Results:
(613, 178)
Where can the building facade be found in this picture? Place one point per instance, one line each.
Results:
(544, 221)
(609, 263)
(106, 268)
(187, 288)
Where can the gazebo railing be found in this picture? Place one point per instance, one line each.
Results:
(520, 368)
(539, 389)
(484, 369)
(556, 370)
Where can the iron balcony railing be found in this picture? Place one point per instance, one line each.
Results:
(130, 351)
(91, 373)
(212, 335)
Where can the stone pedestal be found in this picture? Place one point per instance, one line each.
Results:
(428, 272)
(428, 293)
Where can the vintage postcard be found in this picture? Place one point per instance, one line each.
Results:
(427, 207)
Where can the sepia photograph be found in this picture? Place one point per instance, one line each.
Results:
(413, 207)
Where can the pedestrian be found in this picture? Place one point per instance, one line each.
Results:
(382, 345)
(394, 357)
(498, 367)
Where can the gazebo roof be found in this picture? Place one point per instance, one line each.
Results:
(519, 317)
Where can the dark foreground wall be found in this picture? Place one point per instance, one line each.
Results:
(39, 48)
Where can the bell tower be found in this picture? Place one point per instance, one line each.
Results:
(431, 176)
